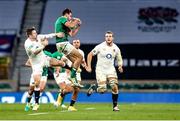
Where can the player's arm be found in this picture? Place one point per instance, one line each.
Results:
(94, 52)
(119, 61)
(83, 64)
(34, 49)
(37, 50)
(73, 23)
(89, 60)
(48, 36)
(73, 32)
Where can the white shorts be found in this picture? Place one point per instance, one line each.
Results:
(65, 47)
(43, 78)
(62, 78)
(103, 75)
(38, 68)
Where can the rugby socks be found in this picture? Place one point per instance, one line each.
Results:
(62, 102)
(29, 98)
(73, 73)
(60, 98)
(72, 102)
(37, 95)
(115, 99)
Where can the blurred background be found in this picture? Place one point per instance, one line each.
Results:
(146, 31)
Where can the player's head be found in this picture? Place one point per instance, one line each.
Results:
(68, 13)
(31, 33)
(109, 37)
(76, 43)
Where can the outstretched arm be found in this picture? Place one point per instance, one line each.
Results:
(48, 36)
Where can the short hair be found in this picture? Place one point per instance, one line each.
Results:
(110, 32)
(29, 31)
(66, 11)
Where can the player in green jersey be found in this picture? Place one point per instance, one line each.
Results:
(69, 26)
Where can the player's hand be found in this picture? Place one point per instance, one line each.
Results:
(60, 34)
(88, 69)
(120, 69)
(57, 73)
(44, 42)
(78, 21)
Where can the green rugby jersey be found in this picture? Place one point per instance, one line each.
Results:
(60, 27)
(45, 69)
(58, 56)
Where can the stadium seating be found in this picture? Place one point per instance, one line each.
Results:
(11, 12)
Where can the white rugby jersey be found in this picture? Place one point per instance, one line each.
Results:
(31, 46)
(106, 56)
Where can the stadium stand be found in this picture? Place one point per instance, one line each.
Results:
(11, 13)
(32, 16)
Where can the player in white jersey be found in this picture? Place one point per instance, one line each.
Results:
(107, 52)
(77, 44)
(34, 46)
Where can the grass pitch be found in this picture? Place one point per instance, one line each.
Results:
(93, 111)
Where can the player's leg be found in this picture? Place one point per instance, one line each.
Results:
(114, 86)
(64, 89)
(37, 78)
(76, 58)
(37, 72)
(101, 86)
(42, 84)
(55, 62)
(30, 93)
(73, 99)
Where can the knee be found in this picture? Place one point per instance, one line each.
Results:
(114, 88)
(30, 92)
(37, 83)
(102, 88)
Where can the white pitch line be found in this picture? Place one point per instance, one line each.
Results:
(90, 108)
(64, 111)
(33, 114)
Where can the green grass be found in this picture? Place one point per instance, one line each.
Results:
(93, 111)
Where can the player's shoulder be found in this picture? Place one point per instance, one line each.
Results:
(80, 50)
(27, 42)
(62, 18)
(115, 45)
(102, 44)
